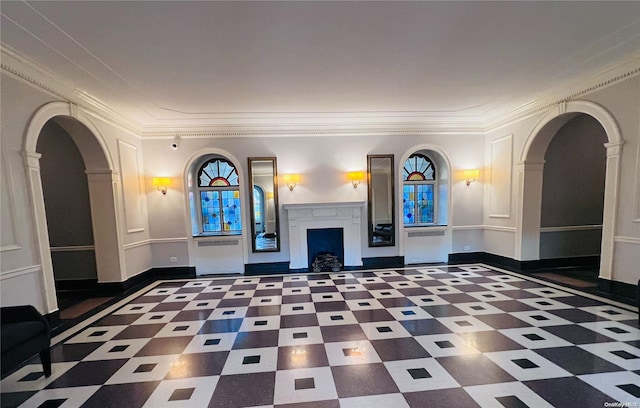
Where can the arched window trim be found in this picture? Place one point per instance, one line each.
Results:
(419, 170)
(217, 179)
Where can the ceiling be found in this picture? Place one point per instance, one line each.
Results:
(175, 64)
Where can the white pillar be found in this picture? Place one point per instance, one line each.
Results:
(528, 217)
(609, 219)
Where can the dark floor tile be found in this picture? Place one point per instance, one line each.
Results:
(512, 306)
(356, 295)
(301, 320)
(198, 365)
(413, 291)
(256, 311)
(349, 281)
(149, 299)
(575, 315)
(244, 390)
(331, 306)
(474, 369)
(569, 392)
(447, 398)
(461, 297)
(306, 356)
(210, 296)
(239, 302)
(220, 326)
(444, 310)
(314, 404)
(577, 334)
(15, 399)
(421, 327)
(363, 379)
(256, 339)
(577, 361)
(131, 395)
(164, 346)
(502, 321)
(139, 331)
(373, 315)
(192, 315)
(243, 286)
(267, 292)
(72, 352)
(88, 373)
(349, 332)
(377, 286)
(288, 299)
(490, 341)
(117, 320)
(396, 302)
(295, 284)
(188, 290)
(323, 289)
(406, 348)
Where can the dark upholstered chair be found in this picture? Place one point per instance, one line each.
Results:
(24, 333)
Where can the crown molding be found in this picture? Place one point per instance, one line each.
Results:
(298, 124)
(557, 97)
(37, 76)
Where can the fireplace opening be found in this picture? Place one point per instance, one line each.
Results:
(325, 241)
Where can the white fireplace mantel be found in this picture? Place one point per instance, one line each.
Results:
(304, 216)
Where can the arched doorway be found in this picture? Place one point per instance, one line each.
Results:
(530, 180)
(66, 198)
(103, 187)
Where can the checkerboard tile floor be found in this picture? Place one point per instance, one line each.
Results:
(463, 336)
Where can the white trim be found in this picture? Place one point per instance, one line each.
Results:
(509, 181)
(10, 248)
(10, 190)
(627, 240)
(467, 227)
(168, 240)
(14, 273)
(73, 248)
(499, 228)
(569, 228)
(136, 244)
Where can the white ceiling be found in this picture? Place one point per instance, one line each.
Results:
(180, 63)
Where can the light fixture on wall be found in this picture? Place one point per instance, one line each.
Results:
(471, 175)
(355, 177)
(161, 184)
(291, 180)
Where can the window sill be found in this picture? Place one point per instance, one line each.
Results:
(426, 226)
(218, 234)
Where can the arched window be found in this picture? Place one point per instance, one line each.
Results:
(219, 193)
(419, 190)
(258, 208)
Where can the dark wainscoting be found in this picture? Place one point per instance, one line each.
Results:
(266, 268)
(383, 262)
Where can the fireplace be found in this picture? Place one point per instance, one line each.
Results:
(323, 241)
(309, 216)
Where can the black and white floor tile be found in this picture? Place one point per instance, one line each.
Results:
(450, 336)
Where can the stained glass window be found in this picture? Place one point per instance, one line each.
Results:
(219, 197)
(418, 190)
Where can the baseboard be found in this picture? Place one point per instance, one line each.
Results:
(380, 262)
(524, 266)
(624, 292)
(266, 268)
(53, 318)
(91, 287)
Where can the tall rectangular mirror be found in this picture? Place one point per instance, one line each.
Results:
(265, 225)
(381, 200)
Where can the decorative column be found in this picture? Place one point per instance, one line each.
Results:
(528, 217)
(609, 214)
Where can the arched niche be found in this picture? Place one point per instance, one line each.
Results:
(530, 172)
(104, 190)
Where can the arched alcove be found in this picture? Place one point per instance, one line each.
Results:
(530, 180)
(103, 185)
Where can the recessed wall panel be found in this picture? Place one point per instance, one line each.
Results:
(500, 184)
(131, 186)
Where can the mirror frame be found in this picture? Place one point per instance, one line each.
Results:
(370, 218)
(276, 207)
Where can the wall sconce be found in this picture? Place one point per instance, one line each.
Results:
(355, 177)
(291, 180)
(471, 175)
(161, 184)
